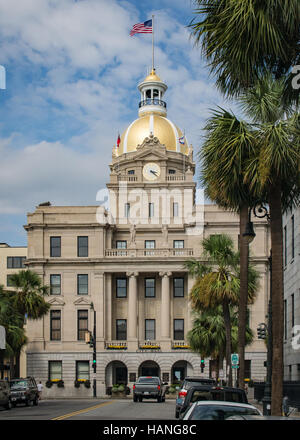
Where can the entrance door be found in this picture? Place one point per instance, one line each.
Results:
(150, 371)
(121, 375)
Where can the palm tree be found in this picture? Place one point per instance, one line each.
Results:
(28, 297)
(271, 173)
(12, 321)
(243, 39)
(208, 338)
(228, 144)
(216, 286)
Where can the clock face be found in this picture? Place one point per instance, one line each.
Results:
(151, 171)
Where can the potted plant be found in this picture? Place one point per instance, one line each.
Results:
(49, 383)
(87, 383)
(76, 383)
(60, 384)
(115, 391)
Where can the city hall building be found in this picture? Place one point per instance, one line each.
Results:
(124, 265)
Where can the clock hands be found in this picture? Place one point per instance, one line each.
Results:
(153, 172)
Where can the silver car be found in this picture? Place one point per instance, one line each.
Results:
(216, 410)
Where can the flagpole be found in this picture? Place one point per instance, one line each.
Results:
(153, 42)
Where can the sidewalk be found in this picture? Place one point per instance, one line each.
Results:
(259, 406)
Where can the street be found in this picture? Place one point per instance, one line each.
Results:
(92, 410)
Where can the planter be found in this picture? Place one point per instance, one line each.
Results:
(87, 383)
(59, 383)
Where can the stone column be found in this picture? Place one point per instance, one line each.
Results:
(132, 306)
(108, 307)
(165, 305)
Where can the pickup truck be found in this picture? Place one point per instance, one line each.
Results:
(149, 387)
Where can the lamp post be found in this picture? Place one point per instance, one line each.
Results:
(260, 211)
(90, 338)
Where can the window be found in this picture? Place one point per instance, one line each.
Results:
(178, 287)
(16, 262)
(127, 210)
(172, 171)
(175, 209)
(121, 329)
(82, 324)
(293, 237)
(151, 209)
(149, 287)
(121, 287)
(55, 325)
(178, 329)
(131, 172)
(285, 245)
(178, 244)
(82, 247)
(149, 329)
(82, 284)
(285, 319)
(121, 244)
(149, 244)
(55, 284)
(55, 246)
(82, 370)
(8, 281)
(293, 310)
(55, 370)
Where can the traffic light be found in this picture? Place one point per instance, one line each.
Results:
(202, 365)
(262, 331)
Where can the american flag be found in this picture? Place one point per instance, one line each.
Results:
(181, 140)
(142, 28)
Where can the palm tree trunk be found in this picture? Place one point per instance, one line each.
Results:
(227, 322)
(243, 299)
(277, 298)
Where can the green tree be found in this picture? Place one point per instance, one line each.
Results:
(217, 282)
(243, 39)
(28, 298)
(12, 321)
(228, 144)
(208, 337)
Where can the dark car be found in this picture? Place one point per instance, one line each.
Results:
(149, 387)
(211, 410)
(24, 391)
(5, 394)
(207, 393)
(187, 383)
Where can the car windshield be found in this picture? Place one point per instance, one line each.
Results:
(153, 380)
(219, 412)
(18, 384)
(191, 383)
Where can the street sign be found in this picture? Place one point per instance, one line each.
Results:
(2, 338)
(234, 359)
(221, 374)
(235, 366)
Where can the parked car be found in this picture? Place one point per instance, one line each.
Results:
(212, 410)
(187, 383)
(221, 394)
(246, 417)
(5, 394)
(149, 387)
(24, 391)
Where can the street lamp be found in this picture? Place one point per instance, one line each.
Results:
(261, 211)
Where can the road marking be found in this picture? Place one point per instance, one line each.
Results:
(74, 413)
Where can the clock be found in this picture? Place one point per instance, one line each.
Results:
(151, 171)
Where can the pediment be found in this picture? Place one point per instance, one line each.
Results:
(82, 301)
(151, 148)
(56, 302)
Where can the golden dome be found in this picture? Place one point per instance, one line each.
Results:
(152, 77)
(161, 127)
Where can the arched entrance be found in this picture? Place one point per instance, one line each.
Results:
(180, 370)
(116, 374)
(149, 368)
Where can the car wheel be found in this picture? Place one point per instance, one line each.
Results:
(159, 399)
(135, 398)
(140, 399)
(29, 402)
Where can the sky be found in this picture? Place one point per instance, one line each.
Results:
(72, 72)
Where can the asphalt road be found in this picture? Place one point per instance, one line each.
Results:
(93, 409)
